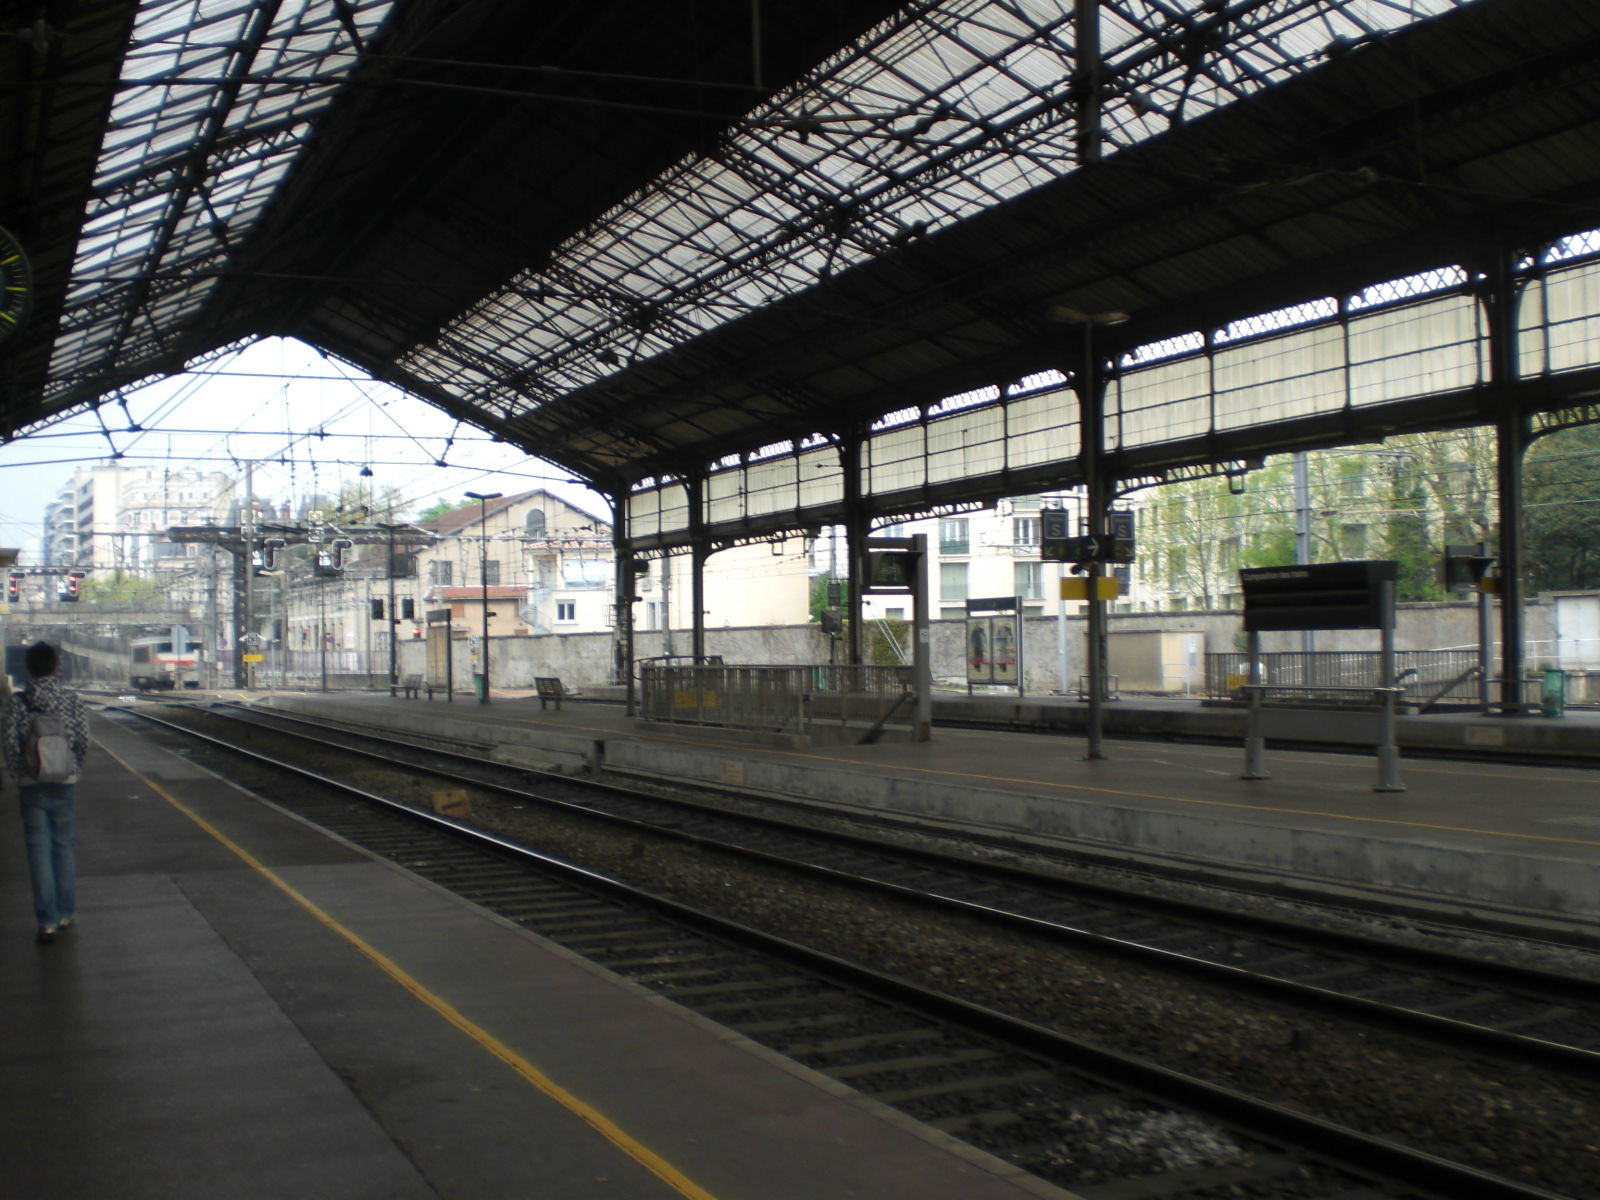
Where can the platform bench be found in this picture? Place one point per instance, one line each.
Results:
(550, 688)
(411, 686)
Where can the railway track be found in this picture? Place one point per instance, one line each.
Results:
(1010, 1097)
(1524, 1014)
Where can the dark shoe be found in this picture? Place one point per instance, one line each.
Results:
(66, 923)
(45, 936)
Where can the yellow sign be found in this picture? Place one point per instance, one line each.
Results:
(694, 699)
(452, 803)
(1076, 587)
(255, 658)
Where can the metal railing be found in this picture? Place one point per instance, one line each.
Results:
(792, 700)
(1434, 675)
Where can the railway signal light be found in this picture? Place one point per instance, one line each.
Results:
(71, 590)
(267, 556)
(330, 559)
(14, 587)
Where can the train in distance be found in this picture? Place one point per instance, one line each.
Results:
(161, 663)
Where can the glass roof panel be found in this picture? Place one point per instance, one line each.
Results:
(924, 122)
(212, 108)
(921, 124)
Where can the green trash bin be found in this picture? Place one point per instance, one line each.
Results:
(477, 686)
(1553, 696)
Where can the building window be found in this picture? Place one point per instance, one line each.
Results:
(953, 536)
(953, 580)
(1025, 532)
(566, 610)
(1352, 479)
(491, 571)
(1029, 579)
(439, 572)
(534, 523)
(1353, 541)
(1177, 567)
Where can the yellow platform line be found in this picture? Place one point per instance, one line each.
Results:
(602, 1124)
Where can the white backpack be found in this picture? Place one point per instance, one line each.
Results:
(46, 752)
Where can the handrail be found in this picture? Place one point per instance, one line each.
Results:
(1469, 673)
(871, 735)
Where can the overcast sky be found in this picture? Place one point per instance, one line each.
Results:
(308, 423)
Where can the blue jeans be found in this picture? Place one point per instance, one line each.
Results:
(49, 812)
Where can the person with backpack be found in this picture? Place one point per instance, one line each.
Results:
(46, 738)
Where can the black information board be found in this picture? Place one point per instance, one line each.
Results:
(1345, 595)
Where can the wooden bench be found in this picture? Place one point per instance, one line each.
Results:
(411, 686)
(550, 688)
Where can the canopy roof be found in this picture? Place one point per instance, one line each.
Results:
(634, 244)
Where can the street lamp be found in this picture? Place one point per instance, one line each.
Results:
(483, 499)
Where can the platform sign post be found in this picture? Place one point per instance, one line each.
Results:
(1466, 568)
(897, 565)
(440, 653)
(994, 643)
(1343, 595)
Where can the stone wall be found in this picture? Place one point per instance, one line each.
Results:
(582, 660)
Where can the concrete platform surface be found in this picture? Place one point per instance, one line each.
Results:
(1518, 842)
(253, 1009)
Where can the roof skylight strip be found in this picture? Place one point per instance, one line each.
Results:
(909, 67)
(189, 55)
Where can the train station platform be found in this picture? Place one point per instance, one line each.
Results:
(251, 1009)
(1516, 841)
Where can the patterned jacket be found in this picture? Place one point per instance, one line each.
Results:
(44, 695)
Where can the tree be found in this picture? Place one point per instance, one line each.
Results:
(1201, 534)
(1561, 526)
(819, 594)
(1403, 499)
(439, 507)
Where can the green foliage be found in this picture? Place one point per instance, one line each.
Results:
(130, 591)
(819, 595)
(439, 507)
(360, 502)
(1561, 526)
(879, 651)
(1404, 499)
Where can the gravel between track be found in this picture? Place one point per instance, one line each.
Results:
(1533, 1126)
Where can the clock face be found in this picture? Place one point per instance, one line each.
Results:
(16, 286)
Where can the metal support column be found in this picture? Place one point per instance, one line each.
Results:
(246, 641)
(699, 552)
(240, 554)
(1500, 302)
(1086, 24)
(922, 645)
(1097, 484)
(626, 593)
(856, 533)
(393, 617)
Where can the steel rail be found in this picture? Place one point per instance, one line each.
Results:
(1455, 1033)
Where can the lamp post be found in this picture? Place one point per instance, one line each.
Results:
(483, 499)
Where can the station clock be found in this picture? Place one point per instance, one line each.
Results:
(16, 286)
